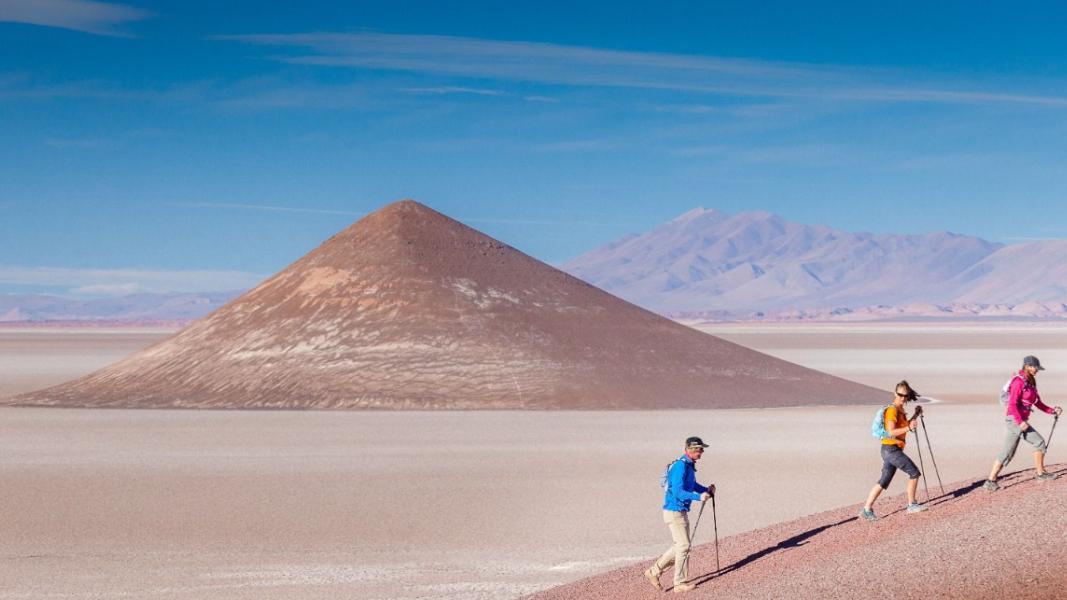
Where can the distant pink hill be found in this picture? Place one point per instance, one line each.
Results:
(133, 308)
(711, 263)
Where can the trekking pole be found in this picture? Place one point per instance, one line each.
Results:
(922, 419)
(1048, 442)
(715, 520)
(692, 537)
(922, 468)
(697, 524)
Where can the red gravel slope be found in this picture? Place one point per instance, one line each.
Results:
(970, 544)
(409, 309)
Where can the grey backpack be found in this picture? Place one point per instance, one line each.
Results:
(1005, 392)
(664, 481)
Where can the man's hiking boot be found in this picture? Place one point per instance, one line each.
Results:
(684, 587)
(991, 485)
(654, 580)
(915, 508)
(868, 514)
(1044, 476)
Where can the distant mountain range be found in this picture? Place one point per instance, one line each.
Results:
(30, 308)
(752, 265)
(757, 264)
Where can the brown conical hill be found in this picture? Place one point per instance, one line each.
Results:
(409, 309)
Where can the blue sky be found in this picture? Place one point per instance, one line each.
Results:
(202, 145)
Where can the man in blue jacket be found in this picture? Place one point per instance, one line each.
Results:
(682, 490)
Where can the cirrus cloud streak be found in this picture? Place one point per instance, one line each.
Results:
(557, 64)
(99, 18)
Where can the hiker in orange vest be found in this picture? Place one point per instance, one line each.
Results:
(1022, 398)
(897, 425)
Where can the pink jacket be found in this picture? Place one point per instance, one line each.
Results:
(1022, 398)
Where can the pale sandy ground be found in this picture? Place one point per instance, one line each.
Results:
(173, 504)
(31, 359)
(959, 362)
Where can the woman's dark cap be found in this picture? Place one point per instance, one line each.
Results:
(1031, 361)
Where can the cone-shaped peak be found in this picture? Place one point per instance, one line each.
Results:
(405, 209)
(403, 217)
(408, 236)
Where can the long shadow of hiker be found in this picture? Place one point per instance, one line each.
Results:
(1024, 476)
(954, 494)
(946, 497)
(797, 540)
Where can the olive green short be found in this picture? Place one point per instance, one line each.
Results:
(1011, 440)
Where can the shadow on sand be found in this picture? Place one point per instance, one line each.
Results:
(796, 541)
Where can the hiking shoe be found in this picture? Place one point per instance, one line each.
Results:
(915, 508)
(991, 485)
(684, 587)
(654, 580)
(1044, 476)
(868, 514)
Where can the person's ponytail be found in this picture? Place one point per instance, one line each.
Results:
(911, 393)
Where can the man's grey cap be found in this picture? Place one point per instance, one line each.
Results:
(695, 442)
(1031, 361)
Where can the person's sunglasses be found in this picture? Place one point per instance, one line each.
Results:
(697, 449)
(904, 395)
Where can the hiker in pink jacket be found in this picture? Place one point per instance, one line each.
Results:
(1022, 398)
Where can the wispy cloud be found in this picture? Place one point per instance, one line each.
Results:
(262, 207)
(810, 155)
(538, 222)
(752, 110)
(20, 86)
(77, 144)
(98, 18)
(315, 137)
(153, 133)
(126, 281)
(582, 66)
(251, 94)
(268, 94)
(578, 146)
(954, 161)
(702, 150)
(109, 289)
(806, 155)
(477, 220)
(453, 90)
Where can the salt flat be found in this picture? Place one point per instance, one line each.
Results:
(223, 504)
(958, 362)
(264, 504)
(33, 358)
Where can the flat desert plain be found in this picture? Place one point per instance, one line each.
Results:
(265, 504)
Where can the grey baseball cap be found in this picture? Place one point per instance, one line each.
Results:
(695, 442)
(1031, 361)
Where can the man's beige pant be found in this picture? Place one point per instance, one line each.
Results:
(678, 554)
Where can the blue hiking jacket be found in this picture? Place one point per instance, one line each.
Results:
(682, 486)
